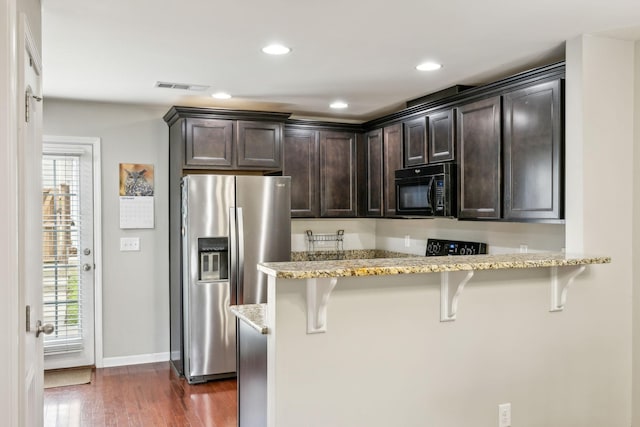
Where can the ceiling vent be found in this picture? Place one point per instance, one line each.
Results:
(181, 86)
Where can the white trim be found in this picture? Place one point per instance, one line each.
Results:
(29, 240)
(97, 232)
(10, 390)
(109, 362)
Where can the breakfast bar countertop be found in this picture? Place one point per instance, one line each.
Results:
(255, 315)
(421, 264)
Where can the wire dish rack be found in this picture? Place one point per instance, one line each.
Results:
(325, 246)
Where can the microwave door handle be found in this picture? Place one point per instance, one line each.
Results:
(431, 197)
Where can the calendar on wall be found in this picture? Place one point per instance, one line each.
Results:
(136, 195)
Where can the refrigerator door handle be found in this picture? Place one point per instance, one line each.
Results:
(240, 283)
(233, 258)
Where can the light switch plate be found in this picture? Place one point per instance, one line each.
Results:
(129, 244)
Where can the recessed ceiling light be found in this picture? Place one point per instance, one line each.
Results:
(221, 95)
(428, 66)
(338, 105)
(276, 49)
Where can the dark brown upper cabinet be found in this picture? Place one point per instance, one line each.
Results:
(441, 138)
(374, 173)
(259, 145)
(301, 164)
(479, 140)
(383, 148)
(338, 174)
(211, 139)
(208, 142)
(532, 120)
(392, 137)
(415, 142)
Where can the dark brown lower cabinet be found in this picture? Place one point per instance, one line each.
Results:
(533, 143)
(301, 164)
(338, 174)
(479, 139)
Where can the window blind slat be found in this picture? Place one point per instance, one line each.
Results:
(62, 281)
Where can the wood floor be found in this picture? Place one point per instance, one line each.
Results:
(141, 395)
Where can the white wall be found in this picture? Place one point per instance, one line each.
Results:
(599, 203)
(389, 234)
(636, 246)
(500, 237)
(358, 233)
(396, 364)
(135, 296)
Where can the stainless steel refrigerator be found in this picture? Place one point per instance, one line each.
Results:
(229, 225)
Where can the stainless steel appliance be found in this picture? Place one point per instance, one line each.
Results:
(426, 190)
(441, 247)
(229, 224)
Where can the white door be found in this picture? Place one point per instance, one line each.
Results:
(30, 229)
(68, 253)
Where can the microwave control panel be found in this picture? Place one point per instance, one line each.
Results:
(441, 247)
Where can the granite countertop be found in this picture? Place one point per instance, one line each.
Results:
(416, 265)
(255, 315)
(331, 255)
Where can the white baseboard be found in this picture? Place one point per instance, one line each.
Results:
(110, 362)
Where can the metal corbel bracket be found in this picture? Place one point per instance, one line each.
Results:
(561, 279)
(318, 292)
(451, 286)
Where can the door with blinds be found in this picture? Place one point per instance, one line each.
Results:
(68, 254)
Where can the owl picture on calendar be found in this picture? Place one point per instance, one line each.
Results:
(136, 179)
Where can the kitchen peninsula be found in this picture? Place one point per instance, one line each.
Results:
(373, 342)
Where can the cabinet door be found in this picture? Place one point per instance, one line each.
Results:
(441, 136)
(478, 134)
(392, 136)
(301, 164)
(208, 142)
(338, 171)
(374, 179)
(259, 145)
(533, 152)
(415, 142)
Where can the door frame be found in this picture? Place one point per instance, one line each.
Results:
(11, 403)
(94, 142)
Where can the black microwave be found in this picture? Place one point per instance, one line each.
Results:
(426, 190)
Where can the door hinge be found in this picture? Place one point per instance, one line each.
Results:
(28, 94)
(28, 322)
(27, 102)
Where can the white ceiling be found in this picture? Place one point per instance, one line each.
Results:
(361, 51)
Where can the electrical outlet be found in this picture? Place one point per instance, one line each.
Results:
(407, 241)
(524, 249)
(504, 415)
(129, 244)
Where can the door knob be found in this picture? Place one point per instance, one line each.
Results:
(43, 329)
(86, 267)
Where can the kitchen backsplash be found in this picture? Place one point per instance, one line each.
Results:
(391, 234)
